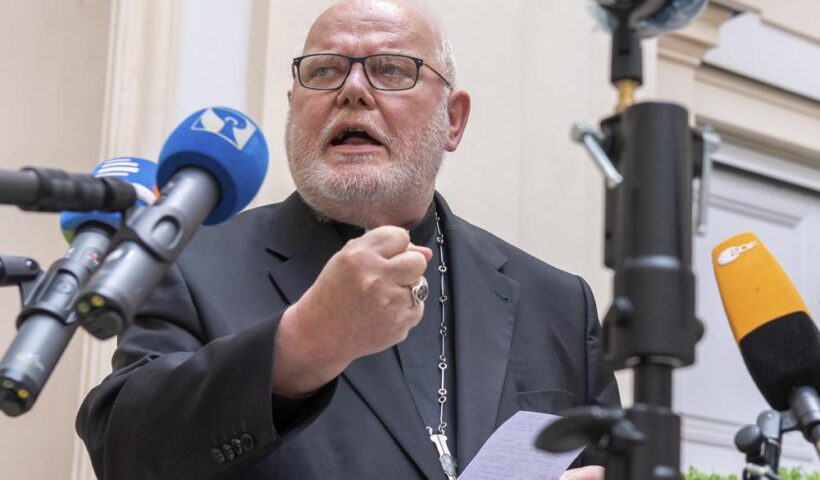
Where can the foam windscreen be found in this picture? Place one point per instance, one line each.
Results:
(224, 143)
(139, 172)
(778, 339)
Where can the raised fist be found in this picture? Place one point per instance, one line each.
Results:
(360, 304)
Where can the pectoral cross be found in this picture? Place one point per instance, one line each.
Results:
(448, 462)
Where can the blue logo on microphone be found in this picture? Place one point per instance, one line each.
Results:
(117, 167)
(138, 172)
(228, 125)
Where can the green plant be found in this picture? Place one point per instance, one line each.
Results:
(695, 474)
(798, 474)
(790, 474)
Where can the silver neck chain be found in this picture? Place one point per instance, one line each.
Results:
(448, 463)
(442, 331)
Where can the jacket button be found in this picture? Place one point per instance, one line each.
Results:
(217, 455)
(247, 442)
(228, 451)
(237, 446)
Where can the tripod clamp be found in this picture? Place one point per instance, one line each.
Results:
(710, 142)
(762, 442)
(706, 140)
(21, 271)
(591, 139)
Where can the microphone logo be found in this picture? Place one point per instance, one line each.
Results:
(227, 124)
(127, 167)
(733, 253)
(117, 167)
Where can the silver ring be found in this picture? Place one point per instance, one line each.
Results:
(419, 291)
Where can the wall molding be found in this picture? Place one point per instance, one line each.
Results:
(751, 112)
(680, 55)
(762, 92)
(794, 16)
(755, 211)
(758, 114)
(690, 44)
(735, 154)
(721, 433)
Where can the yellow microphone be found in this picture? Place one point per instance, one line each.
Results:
(778, 339)
(753, 287)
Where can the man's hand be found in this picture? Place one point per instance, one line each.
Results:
(584, 473)
(360, 304)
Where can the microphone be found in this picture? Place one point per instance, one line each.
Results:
(46, 323)
(778, 339)
(649, 18)
(138, 173)
(47, 190)
(210, 168)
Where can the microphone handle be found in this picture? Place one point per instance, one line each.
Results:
(153, 238)
(805, 404)
(46, 323)
(18, 188)
(29, 361)
(47, 190)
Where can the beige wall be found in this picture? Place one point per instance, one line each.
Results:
(797, 16)
(52, 66)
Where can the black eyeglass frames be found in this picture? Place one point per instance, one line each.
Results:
(384, 71)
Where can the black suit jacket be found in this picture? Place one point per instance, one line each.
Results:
(190, 395)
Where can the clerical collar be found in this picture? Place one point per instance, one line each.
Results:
(420, 233)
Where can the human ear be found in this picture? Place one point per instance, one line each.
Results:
(458, 110)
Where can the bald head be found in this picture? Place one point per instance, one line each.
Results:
(402, 20)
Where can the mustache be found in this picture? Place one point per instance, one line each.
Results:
(379, 131)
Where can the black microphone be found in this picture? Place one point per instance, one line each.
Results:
(46, 323)
(210, 167)
(47, 190)
(778, 339)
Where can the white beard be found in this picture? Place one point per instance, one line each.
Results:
(358, 197)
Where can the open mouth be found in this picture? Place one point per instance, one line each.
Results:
(353, 136)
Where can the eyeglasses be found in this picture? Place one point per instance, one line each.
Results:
(328, 71)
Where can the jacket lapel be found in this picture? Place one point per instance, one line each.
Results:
(485, 304)
(305, 245)
(379, 380)
(302, 243)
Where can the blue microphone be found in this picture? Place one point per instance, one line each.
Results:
(224, 143)
(210, 168)
(139, 172)
(46, 322)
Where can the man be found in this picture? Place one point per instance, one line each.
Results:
(290, 343)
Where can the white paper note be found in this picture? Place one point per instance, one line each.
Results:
(510, 452)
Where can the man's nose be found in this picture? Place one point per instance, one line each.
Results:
(356, 91)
